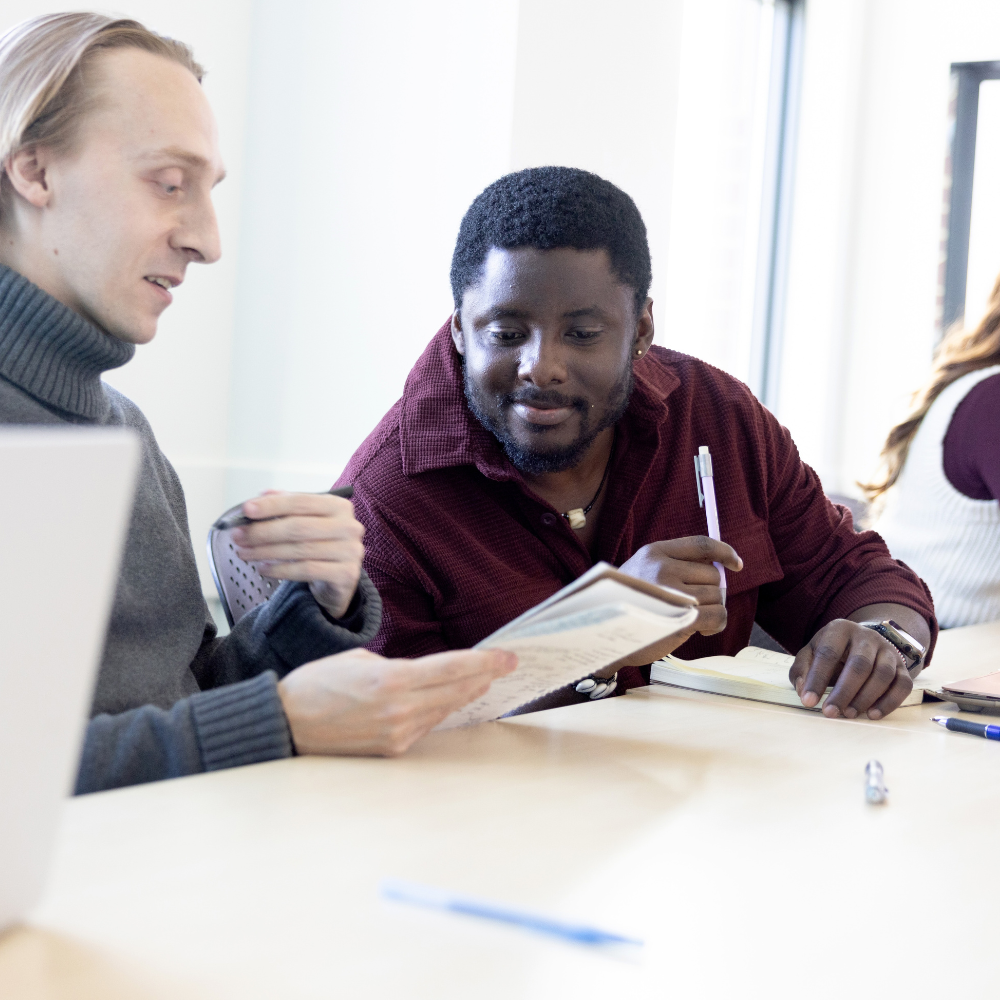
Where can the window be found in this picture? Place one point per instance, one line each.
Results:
(733, 174)
(971, 225)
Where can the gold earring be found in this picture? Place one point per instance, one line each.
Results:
(638, 353)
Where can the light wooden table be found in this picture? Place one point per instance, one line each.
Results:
(733, 837)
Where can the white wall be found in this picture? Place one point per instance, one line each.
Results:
(372, 126)
(357, 134)
(371, 129)
(596, 88)
(182, 379)
(867, 223)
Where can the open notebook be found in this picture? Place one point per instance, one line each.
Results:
(598, 619)
(754, 673)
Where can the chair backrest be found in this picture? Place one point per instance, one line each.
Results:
(858, 508)
(241, 587)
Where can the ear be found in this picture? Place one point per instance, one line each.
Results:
(457, 333)
(643, 330)
(26, 171)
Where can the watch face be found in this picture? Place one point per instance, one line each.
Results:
(903, 640)
(908, 647)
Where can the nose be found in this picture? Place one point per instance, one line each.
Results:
(198, 233)
(542, 361)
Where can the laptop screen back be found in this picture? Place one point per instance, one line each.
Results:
(65, 503)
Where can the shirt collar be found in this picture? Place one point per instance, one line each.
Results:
(438, 431)
(53, 353)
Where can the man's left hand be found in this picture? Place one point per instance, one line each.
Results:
(305, 536)
(867, 672)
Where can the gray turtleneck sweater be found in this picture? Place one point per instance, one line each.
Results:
(171, 698)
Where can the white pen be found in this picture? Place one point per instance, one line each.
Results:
(706, 498)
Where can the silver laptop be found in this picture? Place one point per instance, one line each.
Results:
(65, 502)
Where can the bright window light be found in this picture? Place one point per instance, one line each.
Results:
(718, 180)
(733, 173)
(984, 232)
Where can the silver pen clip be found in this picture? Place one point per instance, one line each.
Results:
(697, 480)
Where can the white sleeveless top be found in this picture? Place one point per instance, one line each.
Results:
(949, 539)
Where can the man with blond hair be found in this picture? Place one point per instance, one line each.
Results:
(109, 155)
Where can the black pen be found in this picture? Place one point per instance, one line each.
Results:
(954, 725)
(234, 519)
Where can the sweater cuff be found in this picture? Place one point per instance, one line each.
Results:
(298, 630)
(241, 723)
(353, 619)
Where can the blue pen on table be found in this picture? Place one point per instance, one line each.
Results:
(440, 899)
(705, 481)
(954, 725)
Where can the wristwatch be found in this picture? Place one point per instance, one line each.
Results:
(913, 652)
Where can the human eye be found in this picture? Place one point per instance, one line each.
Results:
(504, 335)
(581, 335)
(169, 182)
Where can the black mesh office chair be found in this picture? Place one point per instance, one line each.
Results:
(241, 588)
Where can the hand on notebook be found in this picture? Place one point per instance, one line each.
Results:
(867, 672)
(362, 704)
(305, 536)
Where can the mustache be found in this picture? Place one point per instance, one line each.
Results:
(543, 398)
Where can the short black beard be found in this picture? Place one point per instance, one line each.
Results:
(534, 463)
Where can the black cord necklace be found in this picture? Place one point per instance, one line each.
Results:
(577, 517)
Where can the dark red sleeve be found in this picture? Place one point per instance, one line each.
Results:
(972, 443)
(830, 571)
(409, 623)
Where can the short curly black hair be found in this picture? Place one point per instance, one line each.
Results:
(548, 208)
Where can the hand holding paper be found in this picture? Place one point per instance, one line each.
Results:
(593, 623)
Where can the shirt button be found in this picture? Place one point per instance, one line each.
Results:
(549, 519)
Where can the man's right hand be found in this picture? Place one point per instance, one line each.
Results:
(362, 704)
(686, 564)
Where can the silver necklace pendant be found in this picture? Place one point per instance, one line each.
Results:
(599, 687)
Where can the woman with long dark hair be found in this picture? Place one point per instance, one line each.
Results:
(937, 503)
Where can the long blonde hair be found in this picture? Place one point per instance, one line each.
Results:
(959, 353)
(42, 65)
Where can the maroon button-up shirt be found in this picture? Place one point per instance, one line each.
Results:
(458, 544)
